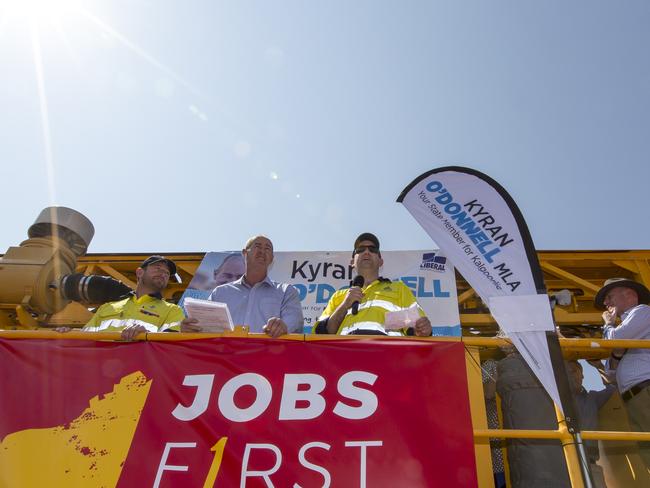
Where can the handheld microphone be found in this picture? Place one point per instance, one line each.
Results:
(357, 281)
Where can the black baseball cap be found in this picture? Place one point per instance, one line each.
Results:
(157, 259)
(366, 236)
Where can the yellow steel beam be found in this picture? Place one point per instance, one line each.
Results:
(566, 343)
(644, 271)
(570, 451)
(627, 265)
(571, 278)
(564, 317)
(482, 452)
(556, 434)
(466, 295)
(116, 274)
(189, 268)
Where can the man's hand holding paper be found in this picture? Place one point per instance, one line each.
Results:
(206, 316)
(406, 318)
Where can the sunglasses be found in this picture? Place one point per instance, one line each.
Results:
(361, 249)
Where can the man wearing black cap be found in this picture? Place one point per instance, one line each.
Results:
(362, 309)
(627, 299)
(143, 310)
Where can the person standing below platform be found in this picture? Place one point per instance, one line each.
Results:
(588, 404)
(533, 463)
(627, 299)
(362, 309)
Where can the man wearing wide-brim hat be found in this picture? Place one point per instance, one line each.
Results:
(627, 299)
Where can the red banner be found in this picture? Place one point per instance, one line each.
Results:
(235, 413)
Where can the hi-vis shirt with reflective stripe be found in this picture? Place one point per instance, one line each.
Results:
(114, 316)
(379, 297)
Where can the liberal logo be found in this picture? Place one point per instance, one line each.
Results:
(433, 262)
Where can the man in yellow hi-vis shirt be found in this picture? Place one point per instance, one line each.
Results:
(144, 310)
(363, 309)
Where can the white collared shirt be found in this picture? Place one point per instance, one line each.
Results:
(635, 365)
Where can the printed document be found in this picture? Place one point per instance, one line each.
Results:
(213, 317)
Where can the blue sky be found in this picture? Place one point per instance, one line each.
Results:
(189, 126)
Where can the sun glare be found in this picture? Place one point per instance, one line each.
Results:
(47, 17)
(36, 9)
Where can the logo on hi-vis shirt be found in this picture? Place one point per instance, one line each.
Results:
(433, 262)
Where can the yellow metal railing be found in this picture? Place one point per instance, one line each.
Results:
(572, 349)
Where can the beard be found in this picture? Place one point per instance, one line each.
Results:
(157, 284)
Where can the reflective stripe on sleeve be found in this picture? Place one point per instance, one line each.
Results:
(386, 305)
(368, 326)
(119, 325)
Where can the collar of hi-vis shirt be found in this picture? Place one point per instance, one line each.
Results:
(141, 303)
(146, 298)
(377, 281)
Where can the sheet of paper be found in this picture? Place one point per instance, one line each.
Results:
(402, 318)
(522, 313)
(212, 316)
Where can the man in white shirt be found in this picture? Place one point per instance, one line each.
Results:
(627, 299)
(254, 299)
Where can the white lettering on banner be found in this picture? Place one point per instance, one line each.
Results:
(263, 391)
(291, 396)
(363, 445)
(327, 478)
(368, 399)
(203, 383)
(162, 466)
(264, 474)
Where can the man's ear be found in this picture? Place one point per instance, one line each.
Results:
(352, 262)
(139, 272)
(381, 262)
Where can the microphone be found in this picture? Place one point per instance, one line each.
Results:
(357, 281)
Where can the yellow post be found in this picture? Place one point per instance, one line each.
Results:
(482, 451)
(570, 452)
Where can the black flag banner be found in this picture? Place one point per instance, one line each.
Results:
(477, 224)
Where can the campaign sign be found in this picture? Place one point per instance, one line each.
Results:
(479, 226)
(235, 412)
(318, 274)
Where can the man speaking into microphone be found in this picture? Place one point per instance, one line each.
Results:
(362, 309)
